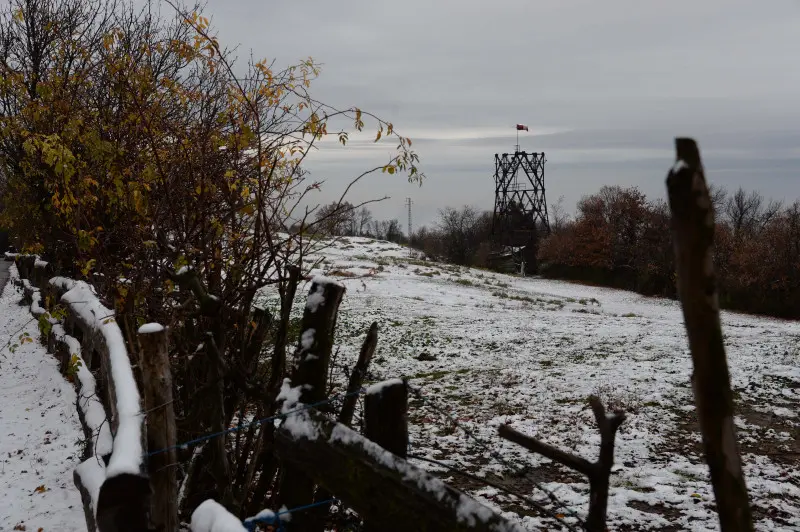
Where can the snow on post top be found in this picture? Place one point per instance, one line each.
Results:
(377, 388)
(317, 297)
(679, 165)
(211, 516)
(151, 328)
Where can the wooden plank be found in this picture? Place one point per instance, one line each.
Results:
(386, 490)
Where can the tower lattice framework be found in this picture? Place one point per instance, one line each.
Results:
(520, 205)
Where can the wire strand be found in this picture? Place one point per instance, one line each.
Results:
(275, 519)
(496, 456)
(241, 426)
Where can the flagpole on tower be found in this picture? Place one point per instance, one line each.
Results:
(519, 127)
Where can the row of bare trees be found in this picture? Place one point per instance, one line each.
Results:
(460, 236)
(620, 238)
(345, 219)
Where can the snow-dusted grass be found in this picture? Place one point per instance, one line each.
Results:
(40, 431)
(527, 351)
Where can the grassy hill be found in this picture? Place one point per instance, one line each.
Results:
(488, 349)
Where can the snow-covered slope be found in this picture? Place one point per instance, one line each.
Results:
(40, 432)
(526, 351)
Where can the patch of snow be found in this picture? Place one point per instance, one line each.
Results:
(150, 328)
(307, 339)
(297, 422)
(92, 473)
(39, 263)
(380, 386)
(36, 298)
(269, 516)
(289, 395)
(62, 283)
(93, 412)
(210, 516)
(679, 165)
(316, 298)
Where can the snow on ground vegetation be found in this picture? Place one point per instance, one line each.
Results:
(487, 349)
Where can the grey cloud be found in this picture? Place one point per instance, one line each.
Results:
(619, 78)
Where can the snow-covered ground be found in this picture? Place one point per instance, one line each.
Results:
(40, 433)
(502, 349)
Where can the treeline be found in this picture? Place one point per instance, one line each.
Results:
(619, 238)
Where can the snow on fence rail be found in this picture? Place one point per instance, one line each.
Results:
(87, 338)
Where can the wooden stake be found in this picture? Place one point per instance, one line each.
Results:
(693, 237)
(160, 426)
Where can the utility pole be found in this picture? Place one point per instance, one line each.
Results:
(408, 204)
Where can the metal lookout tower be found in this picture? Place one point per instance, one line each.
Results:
(520, 208)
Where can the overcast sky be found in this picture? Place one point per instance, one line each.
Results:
(603, 86)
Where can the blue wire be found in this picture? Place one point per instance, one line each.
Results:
(251, 522)
(245, 425)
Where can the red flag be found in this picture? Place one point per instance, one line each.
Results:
(521, 127)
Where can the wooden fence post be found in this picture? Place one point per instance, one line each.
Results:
(357, 375)
(693, 237)
(386, 416)
(348, 409)
(160, 426)
(312, 359)
(386, 421)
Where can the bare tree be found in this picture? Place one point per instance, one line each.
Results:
(337, 219)
(362, 218)
(743, 211)
(559, 216)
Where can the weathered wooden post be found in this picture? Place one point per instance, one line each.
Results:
(310, 371)
(386, 421)
(693, 237)
(357, 376)
(160, 426)
(348, 409)
(386, 416)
